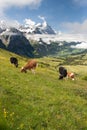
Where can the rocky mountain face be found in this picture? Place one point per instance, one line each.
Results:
(13, 40)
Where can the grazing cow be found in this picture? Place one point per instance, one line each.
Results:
(63, 72)
(31, 65)
(70, 75)
(14, 61)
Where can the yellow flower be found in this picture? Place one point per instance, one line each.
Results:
(11, 114)
(21, 126)
(5, 113)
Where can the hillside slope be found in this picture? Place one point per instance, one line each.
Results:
(41, 101)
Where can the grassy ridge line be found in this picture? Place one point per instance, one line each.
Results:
(41, 101)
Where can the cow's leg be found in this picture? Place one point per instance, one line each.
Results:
(33, 71)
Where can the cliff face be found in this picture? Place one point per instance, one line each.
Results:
(2, 45)
(17, 44)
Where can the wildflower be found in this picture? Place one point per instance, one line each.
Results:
(5, 113)
(11, 115)
(21, 126)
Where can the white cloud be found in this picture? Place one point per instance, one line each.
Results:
(81, 2)
(9, 23)
(42, 18)
(20, 3)
(75, 27)
(13, 23)
(5, 4)
(29, 22)
(82, 45)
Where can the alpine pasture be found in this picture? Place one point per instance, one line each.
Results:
(41, 101)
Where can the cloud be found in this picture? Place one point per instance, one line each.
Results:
(81, 2)
(29, 22)
(5, 4)
(20, 3)
(9, 23)
(75, 27)
(82, 45)
(13, 23)
(42, 18)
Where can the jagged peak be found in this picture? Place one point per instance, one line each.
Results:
(29, 27)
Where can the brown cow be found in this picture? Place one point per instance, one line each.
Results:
(31, 65)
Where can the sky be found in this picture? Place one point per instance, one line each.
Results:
(68, 16)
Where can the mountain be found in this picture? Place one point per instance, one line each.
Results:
(3, 25)
(36, 28)
(56, 49)
(38, 40)
(11, 31)
(39, 28)
(13, 40)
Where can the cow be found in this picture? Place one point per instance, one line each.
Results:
(71, 75)
(14, 60)
(31, 65)
(63, 72)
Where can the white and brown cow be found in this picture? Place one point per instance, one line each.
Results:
(71, 75)
(31, 65)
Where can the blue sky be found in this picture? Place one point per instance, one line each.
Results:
(63, 15)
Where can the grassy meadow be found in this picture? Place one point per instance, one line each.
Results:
(41, 101)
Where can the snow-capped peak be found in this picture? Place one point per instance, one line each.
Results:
(3, 24)
(44, 24)
(29, 23)
(36, 28)
(29, 27)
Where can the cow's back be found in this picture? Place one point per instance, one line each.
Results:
(31, 64)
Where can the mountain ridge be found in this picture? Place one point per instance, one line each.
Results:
(39, 28)
(37, 44)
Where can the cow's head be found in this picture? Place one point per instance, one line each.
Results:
(23, 70)
(16, 65)
(71, 75)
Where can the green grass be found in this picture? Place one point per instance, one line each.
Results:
(41, 101)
